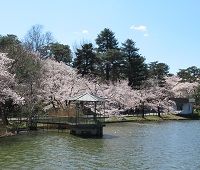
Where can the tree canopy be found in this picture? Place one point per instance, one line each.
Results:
(37, 41)
(107, 48)
(106, 40)
(158, 71)
(60, 52)
(85, 60)
(38, 72)
(8, 41)
(191, 74)
(135, 67)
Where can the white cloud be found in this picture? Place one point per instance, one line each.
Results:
(81, 32)
(139, 28)
(146, 35)
(85, 31)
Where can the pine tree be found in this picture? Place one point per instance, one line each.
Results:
(158, 71)
(61, 52)
(106, 40)
(109, 53)
(135, 67)
(85, 59)
(191, 74)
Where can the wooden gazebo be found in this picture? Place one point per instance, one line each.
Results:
(90, 117)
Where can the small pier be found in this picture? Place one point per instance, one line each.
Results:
(86, 121)
(85, 126)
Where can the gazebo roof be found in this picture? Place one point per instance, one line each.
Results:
(86, 97)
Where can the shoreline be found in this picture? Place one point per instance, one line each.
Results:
(164, 117)
(4, 132)
(7, 134)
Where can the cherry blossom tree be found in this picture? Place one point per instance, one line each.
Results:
(180, 88)
(7, 81)
(8, 95)
(184, 89)
(26, 67)
(59, 82)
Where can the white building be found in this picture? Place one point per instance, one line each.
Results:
(184, 105)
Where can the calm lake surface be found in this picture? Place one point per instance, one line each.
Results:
(154, 145)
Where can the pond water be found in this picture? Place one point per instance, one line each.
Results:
(153, 145)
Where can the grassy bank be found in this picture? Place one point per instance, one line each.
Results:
(147, 118)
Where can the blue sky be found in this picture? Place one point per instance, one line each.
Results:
(166, 31)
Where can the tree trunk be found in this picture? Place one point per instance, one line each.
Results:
(158, 111)
(4, 117)
(142, 109)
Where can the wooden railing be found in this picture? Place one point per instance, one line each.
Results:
(88, 119)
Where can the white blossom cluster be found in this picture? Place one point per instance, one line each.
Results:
(59, 82)
(7, 81)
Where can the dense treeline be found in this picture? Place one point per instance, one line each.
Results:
(111, 62)
(106, 60)
(36, 80)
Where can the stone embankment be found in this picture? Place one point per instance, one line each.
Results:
(5, 132)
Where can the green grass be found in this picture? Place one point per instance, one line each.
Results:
(197, 112)
(173, 117)
(146, 118)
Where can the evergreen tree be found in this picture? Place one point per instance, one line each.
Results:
(191, 74)
(158, 71)
(113, 63)
(61, 52)
(135, 67)
(8, 41)
(85, 60)
(106, 41)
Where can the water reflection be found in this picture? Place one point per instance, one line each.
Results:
(163, 145)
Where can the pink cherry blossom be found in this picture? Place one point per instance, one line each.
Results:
(7, 81)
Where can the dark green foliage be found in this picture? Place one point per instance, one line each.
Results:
(158, 71)
(137, 73)
(191, 74)
(109, 55)
(106, 40)
(85, 60)
(196, 96)
(8, 41)
(135, 68)
(4, 113)
(112, 65)
(6, 109)
(27, 70)
(61, 52)
(26, 65)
